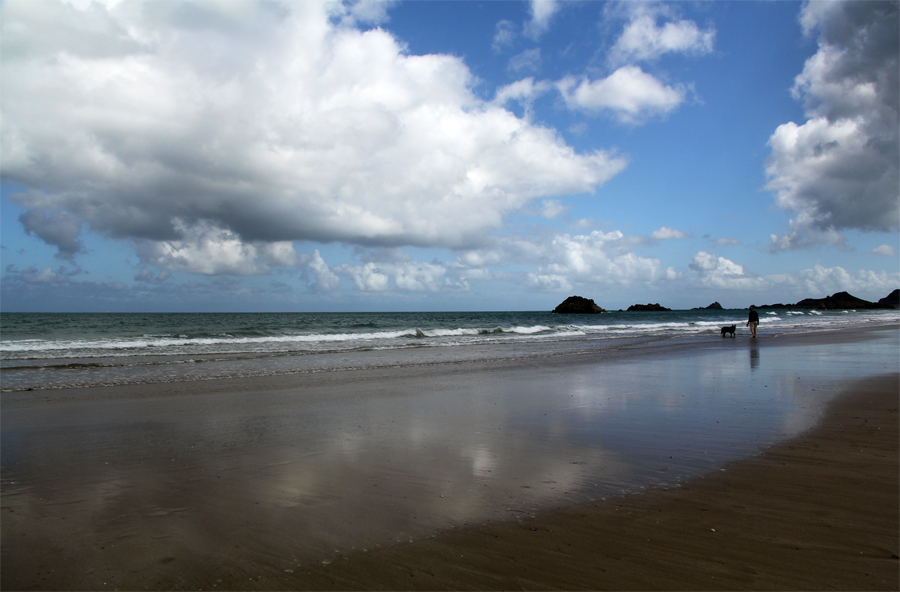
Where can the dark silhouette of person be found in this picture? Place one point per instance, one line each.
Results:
(753, 321)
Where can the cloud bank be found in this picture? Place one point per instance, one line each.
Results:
(214, 135)
(839, 169)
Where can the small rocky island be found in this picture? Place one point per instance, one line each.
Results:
(647, 308)
(577, 305)
(713, 306)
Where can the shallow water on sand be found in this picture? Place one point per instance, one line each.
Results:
(308, 468)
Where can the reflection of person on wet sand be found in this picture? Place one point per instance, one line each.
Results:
(753, 321)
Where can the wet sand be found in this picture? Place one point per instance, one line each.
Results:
(480, 473)
(819, 512)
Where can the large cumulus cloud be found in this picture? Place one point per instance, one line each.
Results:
(213, 135)
(839, 169)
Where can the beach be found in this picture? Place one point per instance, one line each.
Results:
(704, 463)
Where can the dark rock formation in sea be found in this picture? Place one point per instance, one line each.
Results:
(647, 308)
(713, 306)
(577, 305)
(840, 301)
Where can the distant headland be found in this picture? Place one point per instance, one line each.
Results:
(840, 300)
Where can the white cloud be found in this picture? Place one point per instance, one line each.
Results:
(886, 250)
(267, 122)
(643, 39)
(727, 242)
(629, 93)
(542, 12)
(528, 60)
(480, 258)
(547, 283)
(839, 169)
(524, 91)
(505, 33)
(561, 261)
(325, 279)
(211, 250)
(419, 277)
(718, 272)
(666, 233)
(44, 276)
(552, 209)
(367, 277)
(367, 11)
(412, 276)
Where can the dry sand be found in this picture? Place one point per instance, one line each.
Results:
(142, 506)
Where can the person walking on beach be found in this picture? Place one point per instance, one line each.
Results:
(753, 321)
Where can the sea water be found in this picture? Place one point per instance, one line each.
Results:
(51, 351)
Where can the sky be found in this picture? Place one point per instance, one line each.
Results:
(413, 156)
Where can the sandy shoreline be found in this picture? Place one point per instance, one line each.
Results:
(447, 477)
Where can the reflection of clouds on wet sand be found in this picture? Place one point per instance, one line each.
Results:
(332, 477)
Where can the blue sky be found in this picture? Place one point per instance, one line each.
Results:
(318, 156)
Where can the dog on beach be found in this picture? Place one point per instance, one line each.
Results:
(726, 330)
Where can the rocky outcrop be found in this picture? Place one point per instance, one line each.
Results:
(577, 305)
(647, 308)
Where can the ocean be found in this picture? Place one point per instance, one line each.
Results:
(54, 351)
